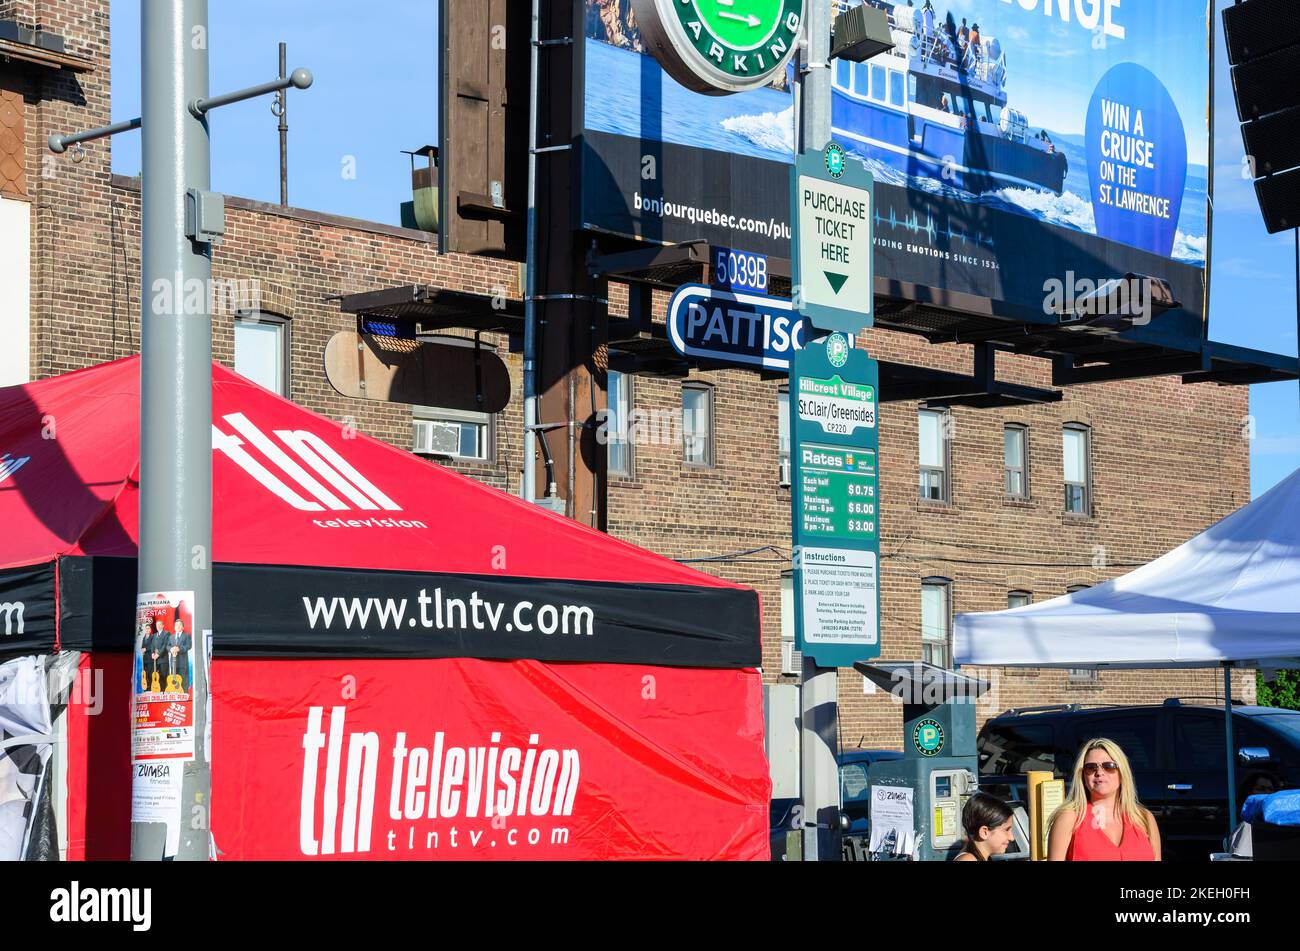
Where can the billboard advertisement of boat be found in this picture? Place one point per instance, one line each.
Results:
(1014, 143)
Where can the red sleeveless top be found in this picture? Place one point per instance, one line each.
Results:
(1090, 844)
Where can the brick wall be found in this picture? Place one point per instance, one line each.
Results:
(1167, 459)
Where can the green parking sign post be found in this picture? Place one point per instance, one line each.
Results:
(834, 412)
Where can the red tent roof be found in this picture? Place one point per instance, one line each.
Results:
(290, 487)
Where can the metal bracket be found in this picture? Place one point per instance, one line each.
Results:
(59, 143)
(300, 79)
(560, 41)
(551, 148)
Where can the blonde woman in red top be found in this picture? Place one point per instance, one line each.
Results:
(1101, 820)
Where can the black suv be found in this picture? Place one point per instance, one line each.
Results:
(1177, 751)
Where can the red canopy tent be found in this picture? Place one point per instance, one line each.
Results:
(407, 664)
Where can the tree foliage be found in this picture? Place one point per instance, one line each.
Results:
(1283, 692)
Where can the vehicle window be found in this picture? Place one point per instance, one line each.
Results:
(1135, 732)
(1288, 724)
(853, 780)
(1007, 749)
(1199, 742)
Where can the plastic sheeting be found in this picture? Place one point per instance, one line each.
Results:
(32, 691)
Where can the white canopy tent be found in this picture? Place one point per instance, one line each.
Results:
(1228, 597)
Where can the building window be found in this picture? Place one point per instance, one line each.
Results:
(1018, 599)
(1081, 675)
(936, 621)
(1015, 460)
(618, 445)
(262, 351)
(1076, 450)
(697, 424)
(453, 434)
(932, 429)
(783, 433)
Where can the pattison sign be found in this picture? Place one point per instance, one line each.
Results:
(736, 327)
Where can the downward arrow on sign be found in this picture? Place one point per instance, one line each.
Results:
(836, 280)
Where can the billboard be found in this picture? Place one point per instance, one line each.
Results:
(1021, 150)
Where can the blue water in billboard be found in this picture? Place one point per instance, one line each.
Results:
(760, 123)
(619, 81)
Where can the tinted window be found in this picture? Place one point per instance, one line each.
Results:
(1135, 733)
(1007, 749)
(853, 780)
(1199, 741)
(1288, 724)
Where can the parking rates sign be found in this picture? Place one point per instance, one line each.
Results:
(834, 411)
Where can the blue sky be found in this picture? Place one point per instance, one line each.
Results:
(376, 93)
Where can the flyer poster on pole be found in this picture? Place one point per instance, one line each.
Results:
(163, 688)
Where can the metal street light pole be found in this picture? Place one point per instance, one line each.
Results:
(176, 385)
(819, 772)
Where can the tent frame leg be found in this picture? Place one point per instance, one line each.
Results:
(1232, 760)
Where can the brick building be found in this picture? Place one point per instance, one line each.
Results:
(1134, 453)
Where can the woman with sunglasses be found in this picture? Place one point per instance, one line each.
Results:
(1101, 819)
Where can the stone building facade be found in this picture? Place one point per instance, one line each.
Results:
(1165, 459)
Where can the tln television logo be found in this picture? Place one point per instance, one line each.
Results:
(345, 482)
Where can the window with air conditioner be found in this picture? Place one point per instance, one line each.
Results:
(452, 434)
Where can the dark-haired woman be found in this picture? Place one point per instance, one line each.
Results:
(987, 821)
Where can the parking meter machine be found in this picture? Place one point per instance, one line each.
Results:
(917, 801)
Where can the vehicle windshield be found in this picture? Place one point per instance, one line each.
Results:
(1288, 724)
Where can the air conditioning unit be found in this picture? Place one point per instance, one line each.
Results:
(791, 659)
(435, 438)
